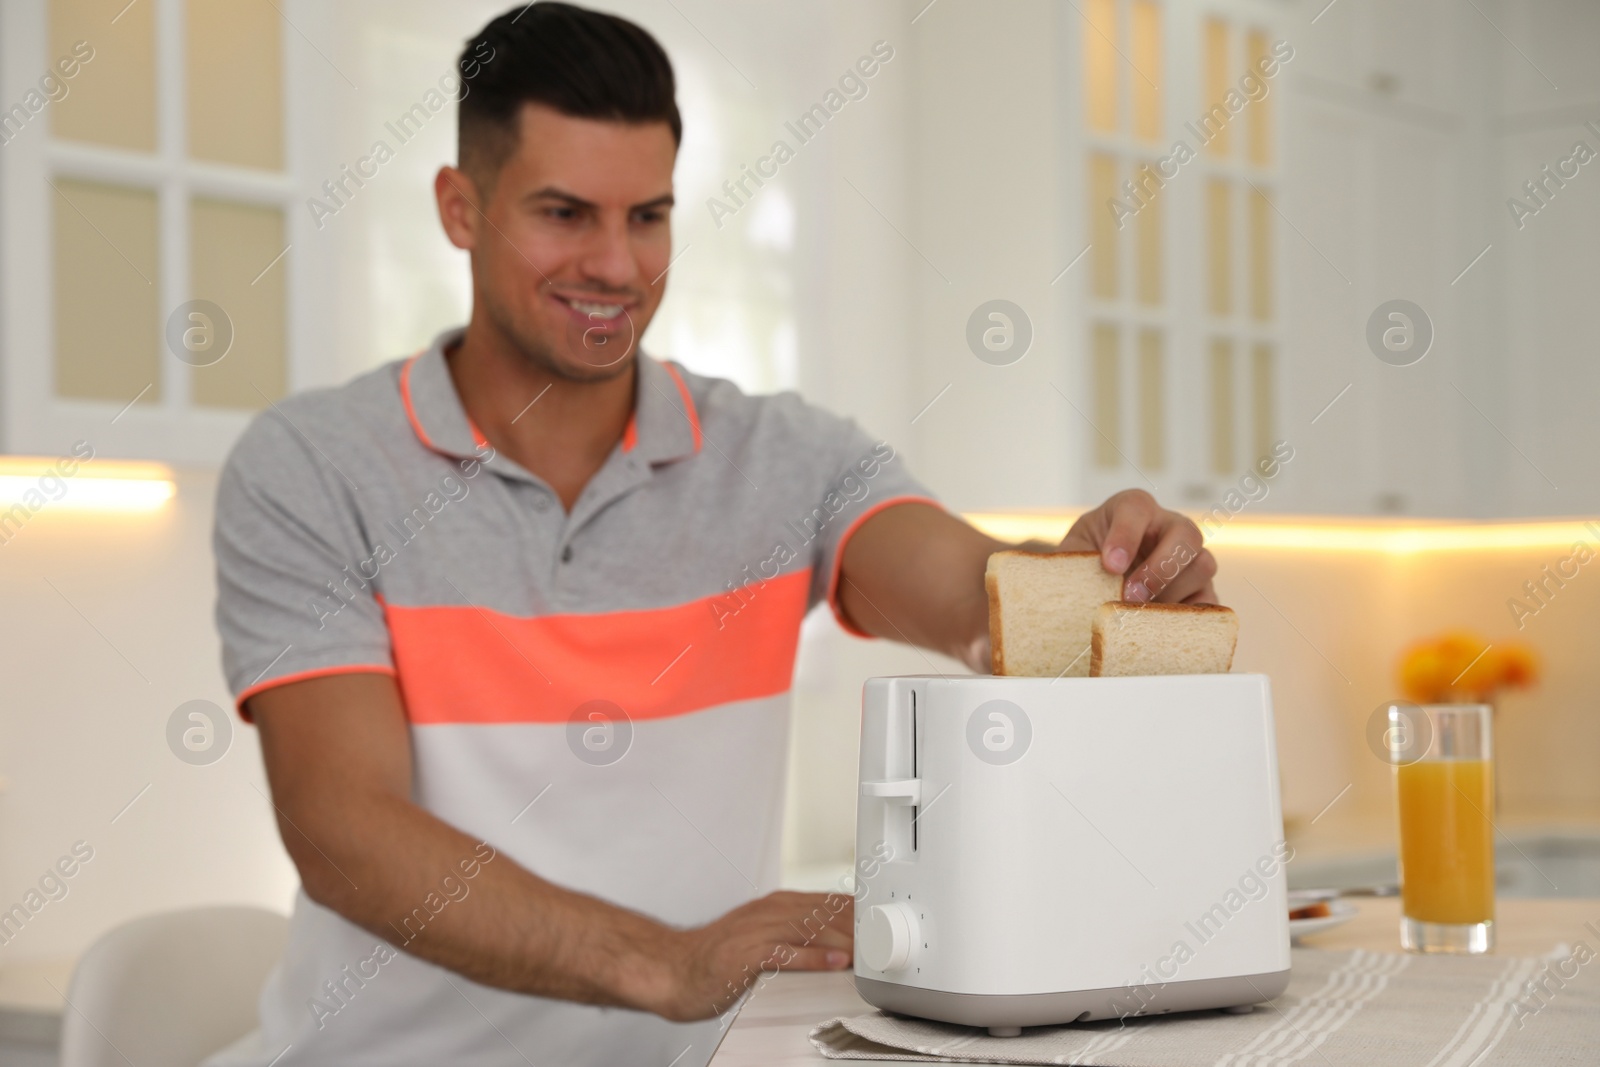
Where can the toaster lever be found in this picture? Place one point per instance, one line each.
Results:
(895, 790)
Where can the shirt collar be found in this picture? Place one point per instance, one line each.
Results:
(664, 426)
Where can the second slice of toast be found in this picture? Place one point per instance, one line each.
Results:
(1141, 639)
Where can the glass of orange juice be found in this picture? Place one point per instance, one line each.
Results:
(1446, 801)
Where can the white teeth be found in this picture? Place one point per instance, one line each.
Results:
(598, 311)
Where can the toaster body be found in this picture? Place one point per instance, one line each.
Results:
(1036, 851)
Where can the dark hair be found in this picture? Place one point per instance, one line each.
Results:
(582, 63)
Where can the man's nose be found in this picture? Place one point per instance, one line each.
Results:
(609, 258)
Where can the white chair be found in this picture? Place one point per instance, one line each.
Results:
(168, 990)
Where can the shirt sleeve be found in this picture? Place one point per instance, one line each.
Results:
(860, 476)
(293, 601)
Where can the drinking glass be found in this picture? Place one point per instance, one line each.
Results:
(1446, 802)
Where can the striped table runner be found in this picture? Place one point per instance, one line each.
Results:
(1341, 1008)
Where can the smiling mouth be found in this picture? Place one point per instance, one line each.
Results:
(597, 312)
(601, 332)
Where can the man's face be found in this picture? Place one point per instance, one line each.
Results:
(570, 253)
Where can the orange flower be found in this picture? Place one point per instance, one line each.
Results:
(1479, 673)
(1460, 665)
(1422, 676)
(1519, 666)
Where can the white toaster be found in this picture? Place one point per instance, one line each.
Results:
(1034, 851)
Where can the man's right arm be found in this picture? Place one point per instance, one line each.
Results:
(338, 757)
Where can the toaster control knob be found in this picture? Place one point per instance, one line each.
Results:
(886, 936)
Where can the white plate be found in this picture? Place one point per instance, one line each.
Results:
(1342, 912)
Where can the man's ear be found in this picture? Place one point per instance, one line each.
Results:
(459, 206)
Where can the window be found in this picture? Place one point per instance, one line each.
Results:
(1180, 310)
(149, 174)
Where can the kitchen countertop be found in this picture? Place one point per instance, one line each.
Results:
(30, 1000)
(771, 1028)
(1373, 829)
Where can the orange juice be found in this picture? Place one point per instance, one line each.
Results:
(1447, 841)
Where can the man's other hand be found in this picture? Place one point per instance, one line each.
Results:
(714, 965)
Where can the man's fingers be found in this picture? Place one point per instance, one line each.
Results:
(1130, 514)
(826, 920)
(1195, 579)
(836, 934)
(814, 958)
(1178, 565)
(1162, 574)
(1160, 554)
(1086, 533)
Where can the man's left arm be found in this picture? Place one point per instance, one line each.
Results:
(913, 572)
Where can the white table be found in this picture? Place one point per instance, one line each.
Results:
(771, 1028)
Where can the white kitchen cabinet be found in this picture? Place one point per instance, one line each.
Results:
(1402, 129)
(1400, 164)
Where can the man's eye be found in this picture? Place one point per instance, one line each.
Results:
(651, 216)
(562, 213)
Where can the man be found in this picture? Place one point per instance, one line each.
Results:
(517, 617)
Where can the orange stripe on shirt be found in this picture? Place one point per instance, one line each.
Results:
(472, 665)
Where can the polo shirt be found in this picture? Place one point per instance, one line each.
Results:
(600, 696)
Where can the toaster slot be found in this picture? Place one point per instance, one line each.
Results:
(890, 789)
(915, 808)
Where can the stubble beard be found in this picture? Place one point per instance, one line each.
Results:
(538, 352)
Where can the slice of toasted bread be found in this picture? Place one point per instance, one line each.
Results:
(1135, 639)
(1041, 605)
